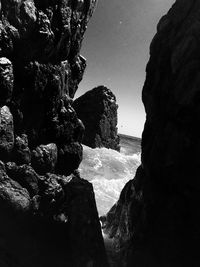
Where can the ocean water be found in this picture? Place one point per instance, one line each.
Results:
(109, 170)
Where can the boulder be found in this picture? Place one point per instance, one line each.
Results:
(97, 109)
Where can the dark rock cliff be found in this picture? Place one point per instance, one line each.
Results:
(97, 109)
(156, 220)
(48, 213)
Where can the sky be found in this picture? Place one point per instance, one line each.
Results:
(116, 46)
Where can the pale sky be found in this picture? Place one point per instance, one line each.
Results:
(116, 47)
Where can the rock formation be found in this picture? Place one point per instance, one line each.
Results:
(48, 213)
(97, 109)
(156, 220)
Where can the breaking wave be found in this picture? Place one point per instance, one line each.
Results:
(108, 171)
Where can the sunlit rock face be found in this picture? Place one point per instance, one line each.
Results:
(97, 109)
(156, 220)
(48, 213)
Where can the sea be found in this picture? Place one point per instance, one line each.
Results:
(109, 170)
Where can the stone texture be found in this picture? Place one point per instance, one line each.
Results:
(47, 218)
(51, 195)
(25, 176)
(44, 158)
(12, 194)
(6, 133)
(6, 80)
(22, 153)
(97, 109)
(160, 206)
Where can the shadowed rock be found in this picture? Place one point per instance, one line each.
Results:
(156, 220)
(44, 158)
(22, 153)
(25, 176)
(48, 213)
(12, 194)
(6, 133)
(6, 80)
(97, 109)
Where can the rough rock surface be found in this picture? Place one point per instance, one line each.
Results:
(44, 158)
(156, 220)
(48, 213)
(97, 109)
(21, 151)
(6, 132)
(6, 80)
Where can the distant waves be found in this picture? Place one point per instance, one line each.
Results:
(108, 170)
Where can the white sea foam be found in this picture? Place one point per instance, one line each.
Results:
(108, 171)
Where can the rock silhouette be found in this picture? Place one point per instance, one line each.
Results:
(97, 109)
(156, 220)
